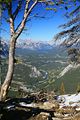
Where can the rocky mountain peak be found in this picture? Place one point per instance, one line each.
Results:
(33, 45)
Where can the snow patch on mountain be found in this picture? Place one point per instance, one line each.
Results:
(33, 45)
(3, 49)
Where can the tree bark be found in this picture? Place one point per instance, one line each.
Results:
(8, 79)
(14, 35)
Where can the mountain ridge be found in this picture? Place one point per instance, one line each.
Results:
(3, 48)
(34, 45)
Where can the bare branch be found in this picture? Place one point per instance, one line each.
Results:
(9, 7)
(73, 21)
(26, 9)
(17, 9)
(69, 43)
(76, 10)
(29, 19)
(67, 32)
(26, 14)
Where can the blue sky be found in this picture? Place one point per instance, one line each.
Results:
(40, 29)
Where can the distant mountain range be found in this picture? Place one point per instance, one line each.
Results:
(3, 48)
(34, 45)
(29, 45)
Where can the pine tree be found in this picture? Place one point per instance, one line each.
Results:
(78, 88)
(62, 89)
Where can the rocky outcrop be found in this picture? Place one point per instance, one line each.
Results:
(68, 68)
(35, 73)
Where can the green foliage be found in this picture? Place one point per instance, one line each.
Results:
(48, 8)
(5, 1)
(17, 61)
(66, 4)
(75, 10)
(72, 51)
(54, 9)
(70, 80)
(47, 61)
(74, 54)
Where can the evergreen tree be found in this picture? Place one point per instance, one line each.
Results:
(78, 88)
(62, 89)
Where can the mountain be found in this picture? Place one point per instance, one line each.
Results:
(34, 45)
(28, 45)
(3, 48)
(45, 67)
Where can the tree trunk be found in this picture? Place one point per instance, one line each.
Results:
(15, 33)
(8, 79)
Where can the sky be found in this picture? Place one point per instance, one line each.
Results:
(39, 29)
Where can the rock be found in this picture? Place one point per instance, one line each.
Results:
(35, 73)
(47, 105)
(78, 109)
(57, 118)
(77, 116)
(43, 116)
